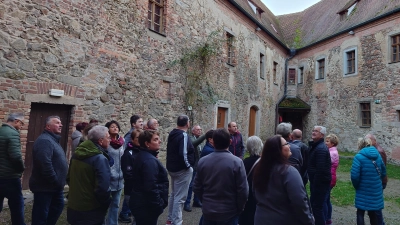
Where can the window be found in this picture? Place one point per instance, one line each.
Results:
(231, 52)
(253, 7)
(396, 48)
(262, 69)
(365, 108)
(301, 72)
(156, 20)
(274, 72)
(320, 73)
(351, 62)
(292, 76)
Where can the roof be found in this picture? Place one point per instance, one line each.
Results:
(294, 103)
(319, 21)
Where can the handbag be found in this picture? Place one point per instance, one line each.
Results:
(377, 168)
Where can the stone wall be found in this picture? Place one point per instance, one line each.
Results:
(335, 100)
(111, 66)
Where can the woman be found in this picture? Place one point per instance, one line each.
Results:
(278, 187)
(367, 172)
(254, 145)
(127, 160)
(331, 142)
(115, 151)
(149, 195)
(76, 135)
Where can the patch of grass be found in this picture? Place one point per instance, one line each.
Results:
(343, 193)
(344, 165)
(392, 171)
(346, 153)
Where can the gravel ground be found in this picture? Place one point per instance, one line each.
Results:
(341, 215)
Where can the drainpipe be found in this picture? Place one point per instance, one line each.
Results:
(292, 54)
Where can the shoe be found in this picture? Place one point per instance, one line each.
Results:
(187, 207)
(197, 204)
(168, 222)
(124, 219)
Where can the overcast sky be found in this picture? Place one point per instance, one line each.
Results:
(279, 7)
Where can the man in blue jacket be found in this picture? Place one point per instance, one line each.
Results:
(319, 173)
(180, 160)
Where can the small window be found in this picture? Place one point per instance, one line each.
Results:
(301, 72)
(351, 62)
(365, 108)
(231, 52)
(274, 72)
(320, 69)
(253, 7)
(292, 76)
(396, 48)
(155, 17)
(262, 69)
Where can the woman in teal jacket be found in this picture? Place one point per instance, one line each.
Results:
(367, 173)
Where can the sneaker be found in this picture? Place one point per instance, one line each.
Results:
(168, 222)
(124, 219)
(187, 207)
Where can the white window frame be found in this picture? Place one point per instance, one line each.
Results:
(300, 78)
(262, 65)
(345, 67)
(317, 61)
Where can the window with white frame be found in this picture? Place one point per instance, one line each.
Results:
(395, 48)
(350, 62)
(301, 74)
(320, 69)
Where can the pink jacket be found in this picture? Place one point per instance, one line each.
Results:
(335, 163)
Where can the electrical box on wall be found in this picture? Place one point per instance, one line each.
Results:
(56, 92)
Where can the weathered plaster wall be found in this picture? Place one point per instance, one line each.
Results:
(335, 100)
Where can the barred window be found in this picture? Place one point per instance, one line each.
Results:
(321, 69)
(156, 19)
(231, 50)
(365, 110)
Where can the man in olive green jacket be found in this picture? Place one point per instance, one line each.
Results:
(89, 179)
(12, 167)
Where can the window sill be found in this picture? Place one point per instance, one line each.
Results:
(229, 64)
(393, 62)
(350, 74)
(365, 126)
(158, 36)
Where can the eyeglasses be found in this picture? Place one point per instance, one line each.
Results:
(22, 123)
(285, 144)
(315, 131)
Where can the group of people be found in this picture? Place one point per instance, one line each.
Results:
(268, 186)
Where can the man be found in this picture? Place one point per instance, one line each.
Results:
(237, 146)
(319, 173)
(49, 173)
(382, 152)
(12, 167)
(152, 124)
(297, 136)
(221, 183)
(196, 140)
(296, 160)
(136, 123)
(180, 160)
(89, 179)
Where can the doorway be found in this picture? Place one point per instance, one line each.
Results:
(222, 117)
(37, 120)
(252, 121)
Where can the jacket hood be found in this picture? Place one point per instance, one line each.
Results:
(370, 152)
(86, 149)
(76, 134)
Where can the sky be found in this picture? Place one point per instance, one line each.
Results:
(280, 7)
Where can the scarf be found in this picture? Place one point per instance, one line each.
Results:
(117, 143)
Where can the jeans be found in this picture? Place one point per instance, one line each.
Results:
(379, 216)
(12, 190)
(328, 207)
(232, 221)
(125, 206)
(318, 200)
(112, 215)
(189, 195)
(179, 188)
(47, 207)
(372, 217)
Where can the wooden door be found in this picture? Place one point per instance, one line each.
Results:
(37, 120)
(221, 115)
(252, 121)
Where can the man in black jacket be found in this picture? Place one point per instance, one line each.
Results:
(297, 136)
(319, 173)
(180, 160)
(296, 159)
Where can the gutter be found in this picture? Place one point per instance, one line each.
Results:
(241, 9)
(292, 54)
(352, 28)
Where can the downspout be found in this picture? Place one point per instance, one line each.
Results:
(292, 54)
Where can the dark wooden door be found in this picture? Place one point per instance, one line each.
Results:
(37, 120)
(221, 117)
(252, 121)
(295, 118)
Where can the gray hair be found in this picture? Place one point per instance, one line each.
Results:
(15, 116)
(194, 127)
(284, 129)
(97, 132)
(254, 145)
(322, 129)
(364, 142)
(51, 117)
(150, 122)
